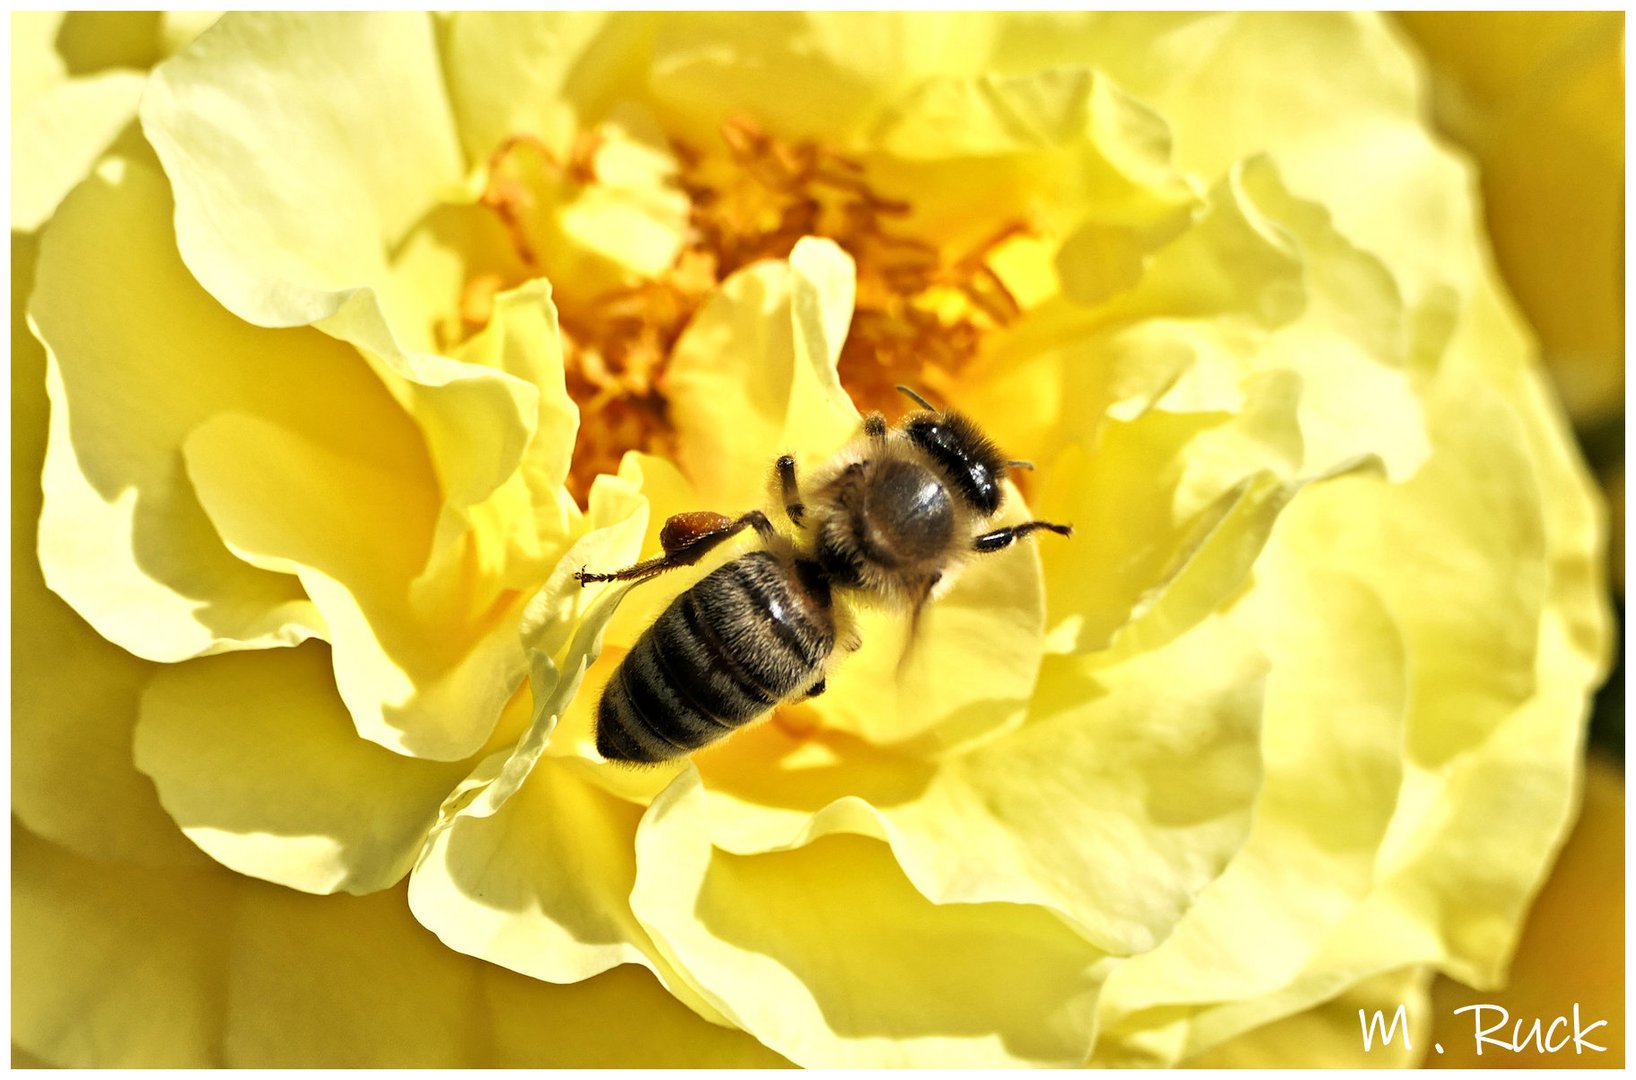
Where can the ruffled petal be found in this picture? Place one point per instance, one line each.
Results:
(1329, 1035)
(286, 792)
(1124, 794)
(623, 1018)
(122, 537)
(112, 965)
(60, 135)
(802, 74)
(530, 864)
(1061, 151)
(1458, 560)
(1336, 703)
(345, 982)
(753, 376)
(74, 695)
(542, 73)
(831, 958)
(295, 167)
(314, 513)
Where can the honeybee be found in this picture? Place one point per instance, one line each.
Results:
(885, 519)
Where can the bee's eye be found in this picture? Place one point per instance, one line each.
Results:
(963, 460)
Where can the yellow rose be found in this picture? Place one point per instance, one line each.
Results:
(346, 356)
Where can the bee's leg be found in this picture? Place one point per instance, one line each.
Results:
(686, 538)
(816, 689)
(794, 508)
(999, 538)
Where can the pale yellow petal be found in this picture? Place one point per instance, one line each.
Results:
(1354, 140)
(286, 792)
(1336, 704)
(1061, 152)
(476, 420)
(831, 958)
(518, 527)
(802, 74)
(73, 694)
(622, 1018)
(36, 66)
(345, 982)
(1169, 547)
(1185, 337)
(753, 376)
(295, 167)
(1569, 954)
(1123, 795)
(314, 509)
(540, 73)
(57, 137)
(540, 883)
(115, 966)
(1458, 559)
(140, 355)
(1331, 1035)
(1355, 345)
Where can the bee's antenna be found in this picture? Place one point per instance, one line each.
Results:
(924, 404)
(1029, 465)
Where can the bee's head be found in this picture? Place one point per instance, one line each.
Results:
(971, 464)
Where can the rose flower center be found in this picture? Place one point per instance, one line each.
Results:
(919, 318)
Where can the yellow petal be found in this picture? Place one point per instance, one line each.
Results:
(1537, 97)
(620, 1019)
(1357, 145)
(1116, 802)
(828, 956)
(1568, 955)
(753, 376)
(579, 923)
(36, 66)
(1335, 707)
(1060, 150)
(306, 981)
(540, 883)
(476, 421)
(1165, 556)
(1330, 1035)
(539, 73)
(1185, 337)
(116, 966)
(91, 41)
(74, 695)
(632, 223)
(294, 167)
(286, 792)
(314, 509)
(802, 74)
(59, 135)
(122, 537)
(1502, 640)
(524, 519)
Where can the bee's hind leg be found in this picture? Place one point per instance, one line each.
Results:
(686, 538)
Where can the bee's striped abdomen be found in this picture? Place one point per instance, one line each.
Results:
(749, 635)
